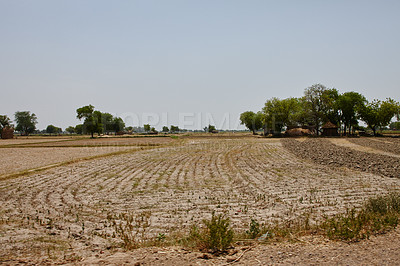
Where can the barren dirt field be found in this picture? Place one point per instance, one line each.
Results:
(31, 153)
(64, 214)
(104, 141)
(26, 140)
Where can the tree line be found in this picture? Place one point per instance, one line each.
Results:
(25, 120)
(320, 105)
(94, 122)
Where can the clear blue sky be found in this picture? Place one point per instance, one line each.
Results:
(209, 58)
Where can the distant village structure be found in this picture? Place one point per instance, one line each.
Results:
(7, 133)
(330, 130)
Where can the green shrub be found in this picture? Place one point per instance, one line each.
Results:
(376, 216)
(254, 229)
(217, 236)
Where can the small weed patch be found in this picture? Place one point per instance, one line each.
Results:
(217, 236)
(377, 215)
(130, 229)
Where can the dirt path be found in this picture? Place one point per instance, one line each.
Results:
(353, 145)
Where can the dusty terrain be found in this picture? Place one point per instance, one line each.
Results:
(31, 153)
(313, 250)
(107, 141)
(341, 154)
(29, 140)
(65, 213)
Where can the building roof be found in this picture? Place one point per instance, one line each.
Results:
(329, 125)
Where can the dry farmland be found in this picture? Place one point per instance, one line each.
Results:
(66, 211)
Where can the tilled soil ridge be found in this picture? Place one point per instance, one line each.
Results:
(322, 151)
(384, 144)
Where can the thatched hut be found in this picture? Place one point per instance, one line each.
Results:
(330, 129)
(297, 132)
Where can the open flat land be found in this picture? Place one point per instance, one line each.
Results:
(64, 213)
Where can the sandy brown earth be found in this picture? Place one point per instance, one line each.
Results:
(29, 140)
(311, 250)
(65, 214)
(20, 159)
(346, 154)
(391, 145)
(107, 141)
(31, 153)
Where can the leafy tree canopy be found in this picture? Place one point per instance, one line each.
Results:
(92, 119)
(211, 128)
(174, 128)
(4, 121)
(79, 129)
(349, 106)
(253, 121)
(147, 127)
(70, 129)
(279, 113)
(53, 129)
(26, 122)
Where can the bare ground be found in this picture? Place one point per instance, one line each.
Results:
(311, 250)
(63, 214)
(20, 159)
(107, 141)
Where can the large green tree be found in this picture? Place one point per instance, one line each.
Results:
(26, 122)
(280, 113)
(349, 106)
(79, 129)
(70, 129)
(253, 121)
(53, 129)
(107, 122)
(320, 103)
(147, 127)
(174, 129)
(92, 119)
(378, 114)
(118, 124)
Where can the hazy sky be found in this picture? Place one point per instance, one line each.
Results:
(189, 61)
